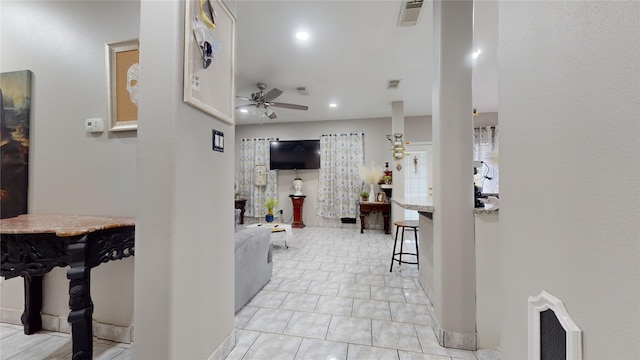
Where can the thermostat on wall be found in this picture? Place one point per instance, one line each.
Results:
(94, 125)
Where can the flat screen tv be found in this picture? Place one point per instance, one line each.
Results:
(294, 154)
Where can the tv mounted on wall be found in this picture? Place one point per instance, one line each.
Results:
(294, 154)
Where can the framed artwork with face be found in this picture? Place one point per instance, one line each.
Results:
(123, 69)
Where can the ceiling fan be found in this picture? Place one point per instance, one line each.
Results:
(263, 101)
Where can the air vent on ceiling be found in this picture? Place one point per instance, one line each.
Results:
(393, 84)
(410, 12)
(302, 90)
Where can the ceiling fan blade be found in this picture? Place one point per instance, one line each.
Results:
(289, 106)
(243, 98)
(243, 106)
(272, 94)
(272, 115)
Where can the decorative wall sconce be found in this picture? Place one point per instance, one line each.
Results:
(398, 146)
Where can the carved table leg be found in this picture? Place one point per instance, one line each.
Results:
(385, 217)
(361, 222)
(80, 317)
(242, 215)
(32, 304)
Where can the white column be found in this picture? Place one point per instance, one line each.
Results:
(397, 126)
(453, 243)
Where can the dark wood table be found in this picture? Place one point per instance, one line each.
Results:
(370, 207)
(31, 245)
(240, 204)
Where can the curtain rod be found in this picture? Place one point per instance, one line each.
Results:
(360, 133)
(247, 139)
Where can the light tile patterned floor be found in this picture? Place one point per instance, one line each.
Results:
(331, 297)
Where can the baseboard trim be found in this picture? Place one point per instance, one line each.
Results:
(456, 340)
(446, 338)
(225, 348)
(121, 334)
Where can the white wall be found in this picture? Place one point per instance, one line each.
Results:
(376, 149)
(569, 85)
(184, 295)
(70, 171)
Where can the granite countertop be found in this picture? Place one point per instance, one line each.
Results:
(424, 204)
(61, 225)
(488, 210)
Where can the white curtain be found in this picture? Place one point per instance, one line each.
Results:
(485, 148)
(339, 184)
(256, 152)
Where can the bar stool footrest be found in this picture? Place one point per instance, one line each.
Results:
(403, 261)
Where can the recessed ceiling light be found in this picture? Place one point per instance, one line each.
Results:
(302, 35)
(333, 105)
(244, 110)
(476, 53)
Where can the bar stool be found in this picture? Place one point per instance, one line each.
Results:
(397, 256)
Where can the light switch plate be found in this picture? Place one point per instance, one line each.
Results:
(218, 140)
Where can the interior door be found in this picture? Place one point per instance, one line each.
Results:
(418, 176)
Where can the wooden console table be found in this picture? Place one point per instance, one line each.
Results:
(240, 204)
(32, 245)
(369, 207)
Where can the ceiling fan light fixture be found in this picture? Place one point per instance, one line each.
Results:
(262, 102)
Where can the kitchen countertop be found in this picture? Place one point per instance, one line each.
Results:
(425, 204)
(487, 210)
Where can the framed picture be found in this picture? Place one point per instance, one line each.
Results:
(15, 115)
(122, 82)
(209, 58)
(381, 196)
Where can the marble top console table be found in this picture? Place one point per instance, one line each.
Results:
(32, 245)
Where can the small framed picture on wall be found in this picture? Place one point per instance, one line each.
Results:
(122, 80)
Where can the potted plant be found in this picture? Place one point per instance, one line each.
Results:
(270, 204)
(364, 196)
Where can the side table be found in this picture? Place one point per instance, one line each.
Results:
(240, 204)
(369, 207)
(34, 244)
(276, 228)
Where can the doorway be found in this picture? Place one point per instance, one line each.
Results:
(418, 176)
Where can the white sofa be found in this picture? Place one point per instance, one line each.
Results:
(253, 266)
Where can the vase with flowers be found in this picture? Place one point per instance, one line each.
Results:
(369, 175)
(270, 204)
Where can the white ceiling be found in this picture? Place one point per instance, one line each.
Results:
(354, 49)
